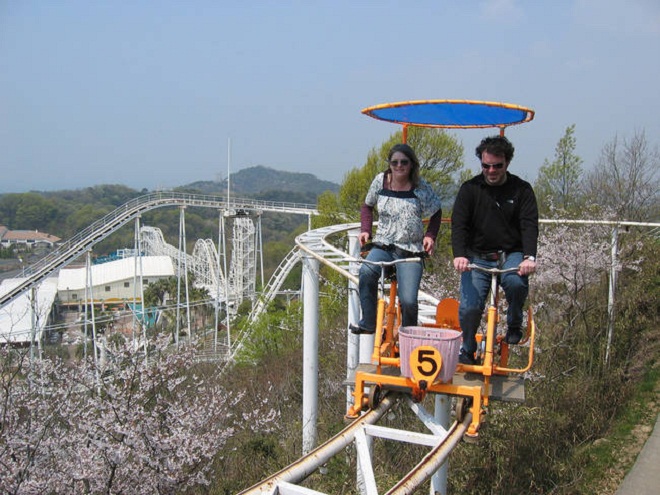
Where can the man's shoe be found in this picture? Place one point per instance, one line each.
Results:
(466, 358)
(513, 336)
(358, 330)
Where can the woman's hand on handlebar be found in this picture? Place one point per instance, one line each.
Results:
(364, 237)
(429, 243)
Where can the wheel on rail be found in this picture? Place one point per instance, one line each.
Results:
(375, 396)
(462, 407)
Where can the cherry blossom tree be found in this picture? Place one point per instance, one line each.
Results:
(146, 426)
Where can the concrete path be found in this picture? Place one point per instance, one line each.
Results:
(644, 477)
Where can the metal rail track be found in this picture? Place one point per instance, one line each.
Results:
(285, 481)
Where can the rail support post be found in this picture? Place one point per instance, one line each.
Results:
(353, 349)
(310, 290)
(443, 416)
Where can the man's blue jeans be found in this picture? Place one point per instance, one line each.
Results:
(474, 291)
(408, 276)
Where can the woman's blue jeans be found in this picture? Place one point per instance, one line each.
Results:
(474, 291)
(408, 276)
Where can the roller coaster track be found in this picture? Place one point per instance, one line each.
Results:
(275, 282)
(360, 433)
(80, 243)
(320, 244)
(203, 262)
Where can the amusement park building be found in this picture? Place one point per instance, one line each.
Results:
(27, 238)
(114, 282)
(18, 319)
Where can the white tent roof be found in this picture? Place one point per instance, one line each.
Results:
(16, 316)
(113, 271)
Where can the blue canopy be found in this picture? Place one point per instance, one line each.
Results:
(451, 113)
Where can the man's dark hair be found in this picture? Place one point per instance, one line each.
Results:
(496, 145)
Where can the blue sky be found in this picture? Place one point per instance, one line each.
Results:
(150, 93)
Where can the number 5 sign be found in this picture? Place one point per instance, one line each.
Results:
(425, 363)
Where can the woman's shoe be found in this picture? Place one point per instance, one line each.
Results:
(358, 330)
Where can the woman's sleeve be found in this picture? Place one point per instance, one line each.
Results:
(367, 209)
(430, 200)
(434, 225)
(374, 188)
(366, 218)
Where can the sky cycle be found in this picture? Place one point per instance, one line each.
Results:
(425, 368)
(474, 384)
(419, 368)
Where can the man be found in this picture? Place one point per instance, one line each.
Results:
(494, 224)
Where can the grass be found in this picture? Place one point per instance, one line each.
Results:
(608, 460)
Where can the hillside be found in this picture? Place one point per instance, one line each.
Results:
(64, 213)
(265, 181)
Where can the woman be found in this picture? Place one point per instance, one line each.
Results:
(402, 199)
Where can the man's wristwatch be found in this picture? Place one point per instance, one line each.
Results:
(531, 258)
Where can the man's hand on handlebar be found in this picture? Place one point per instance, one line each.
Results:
(461, 264)
(527, 267)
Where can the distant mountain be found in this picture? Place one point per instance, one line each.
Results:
(264, 181)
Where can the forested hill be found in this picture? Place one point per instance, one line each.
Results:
(263, 181)
(63, 213)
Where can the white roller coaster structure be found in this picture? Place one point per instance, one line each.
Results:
(206, 262)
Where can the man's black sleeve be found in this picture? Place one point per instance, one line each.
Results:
(460, 223)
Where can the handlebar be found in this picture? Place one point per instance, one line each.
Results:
(492, 271)
(383, 264)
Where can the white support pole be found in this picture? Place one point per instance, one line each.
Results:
(310, 290)
(614, 262)
(260, 250)
(185, 272)
(33, 326)
(94, 339)
(228, 291)
(353, 350)
(143, 312)
(136, 246)
(443, 417)
(218, 279)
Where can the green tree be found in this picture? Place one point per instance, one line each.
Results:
(558, 186)
(28, 211)
(441, 161)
